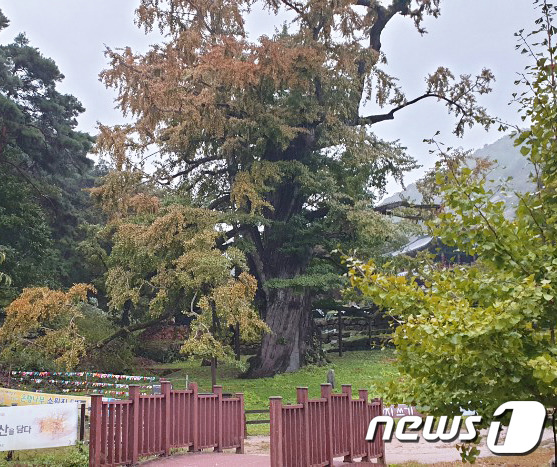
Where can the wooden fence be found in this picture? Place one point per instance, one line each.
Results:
(352, 332)
(122, 431)
(258, 421)
(314, 432)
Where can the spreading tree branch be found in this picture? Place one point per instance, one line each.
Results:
(372, 119)
(133, 328)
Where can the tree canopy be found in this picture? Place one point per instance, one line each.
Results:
(475, 336)
(44, 167)
(268, 133)
(164, 265)
(43, 321)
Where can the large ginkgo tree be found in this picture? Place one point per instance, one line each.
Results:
(269, 134)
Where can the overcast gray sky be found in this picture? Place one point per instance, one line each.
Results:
(469, 35)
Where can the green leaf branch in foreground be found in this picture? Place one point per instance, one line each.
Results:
(475, 336)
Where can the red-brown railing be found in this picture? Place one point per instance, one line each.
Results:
(122, 431)
(314, 432)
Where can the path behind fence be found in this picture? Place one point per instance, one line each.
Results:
(314, 432)
(122, 431)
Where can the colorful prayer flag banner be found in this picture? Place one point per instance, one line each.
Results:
(84, 374)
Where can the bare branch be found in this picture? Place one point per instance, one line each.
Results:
(372, 119)
(135, 327)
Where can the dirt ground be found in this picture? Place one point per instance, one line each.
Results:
(438, 454)
(397, 453)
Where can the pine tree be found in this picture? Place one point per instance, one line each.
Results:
(43, 167)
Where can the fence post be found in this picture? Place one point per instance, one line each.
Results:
(371, 416)
(82, 408)
(276, 431)
(195, 416)
(241, 423)
(95, 431)
(347, 389)
(134, 392)
(363, 394)
(166, 387)
(379, 434)
(383, 455)
(326, 391)
(218, 391)
(302, 398)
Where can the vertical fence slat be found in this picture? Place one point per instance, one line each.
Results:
(302, 398)
(166, 387)
(123, 431)
(291, 436)
(188, 422)
(104, 441)
(217, 390)
(178, 425)
(155, 414)
(380, 441)
(150, 447)
(240, 424)
(314, 432)
(111, 440)
(148, 428)
(82, 410)
(143, 424)
(180, 407)
(134, 423)
(347, 389)
(118, 447)
(94, 431)
(276, 431)
(195, 418)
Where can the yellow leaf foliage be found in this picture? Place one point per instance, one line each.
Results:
(229, 305)
(45, 319)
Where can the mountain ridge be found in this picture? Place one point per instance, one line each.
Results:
(510, 163)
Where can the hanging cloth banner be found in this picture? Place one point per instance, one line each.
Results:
(13, 396)
(38, 426)
(84, 374)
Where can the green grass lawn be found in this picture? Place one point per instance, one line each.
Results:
(71, 456)
(362, 369)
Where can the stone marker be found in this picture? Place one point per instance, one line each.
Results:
(331, 377)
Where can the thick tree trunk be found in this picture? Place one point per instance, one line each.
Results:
(213, 372)
(288, 314)
(281, 254)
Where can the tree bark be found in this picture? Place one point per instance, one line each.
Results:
(215, 328)
(213, 372)
(237, 341)
(288, 313)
